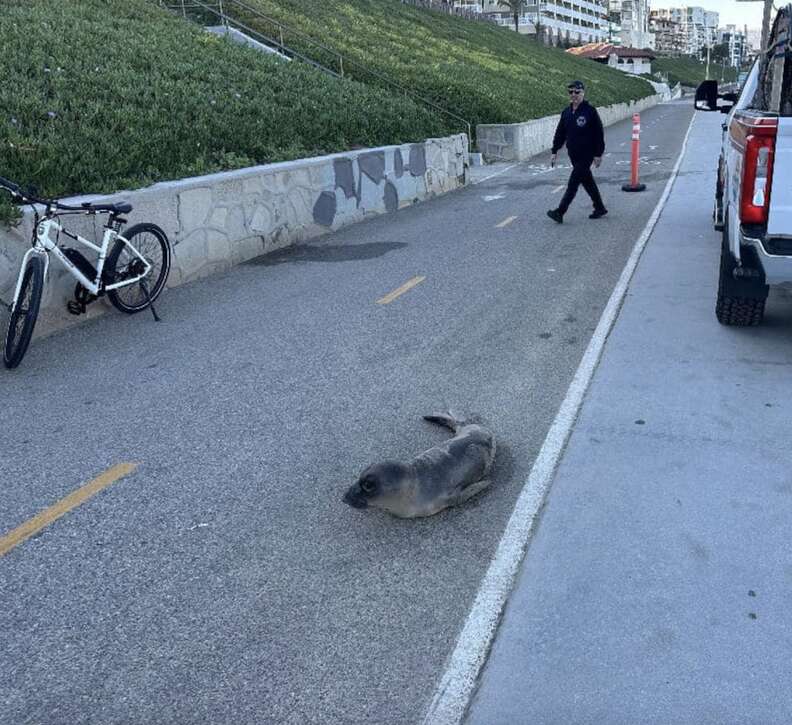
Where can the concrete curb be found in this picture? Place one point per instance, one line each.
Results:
(220, 220)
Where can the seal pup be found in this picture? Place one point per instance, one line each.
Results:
(443, 476)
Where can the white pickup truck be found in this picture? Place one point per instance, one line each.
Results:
(753, 195)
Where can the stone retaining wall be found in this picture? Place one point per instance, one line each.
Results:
(521, 141)
(223, 219)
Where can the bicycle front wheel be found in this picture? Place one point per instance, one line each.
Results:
(152, 243)
(23, 317)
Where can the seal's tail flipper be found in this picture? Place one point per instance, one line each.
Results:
(445, 419)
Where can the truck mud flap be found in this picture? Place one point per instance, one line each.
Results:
(747, 281)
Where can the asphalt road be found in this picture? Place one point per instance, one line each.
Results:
(224, 580)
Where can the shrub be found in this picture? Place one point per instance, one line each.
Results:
(480, 71)
(103, 95)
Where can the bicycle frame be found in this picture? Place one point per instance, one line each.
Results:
(45, 244)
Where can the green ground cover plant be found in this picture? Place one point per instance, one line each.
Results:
(690, 71)
(482, 72)
(103, 95)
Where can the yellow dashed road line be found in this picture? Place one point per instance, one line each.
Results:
(47, 516)
(408, 285)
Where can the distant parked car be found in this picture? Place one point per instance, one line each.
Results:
(753, 193)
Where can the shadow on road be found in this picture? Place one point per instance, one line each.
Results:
(326, 253)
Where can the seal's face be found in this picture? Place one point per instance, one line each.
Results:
(383, 485)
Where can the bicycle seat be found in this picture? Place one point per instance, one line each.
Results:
(121, 207)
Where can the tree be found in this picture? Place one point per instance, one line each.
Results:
(720, 52)
(515, 8)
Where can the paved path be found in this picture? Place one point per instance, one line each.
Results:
(658, 586)
(223, 580)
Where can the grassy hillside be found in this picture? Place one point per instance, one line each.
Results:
(484, 73)
(102, 95)
(689, 71)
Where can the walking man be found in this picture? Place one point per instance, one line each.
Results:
(580, 128)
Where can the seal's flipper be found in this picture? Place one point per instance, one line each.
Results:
(445, 419)
(472, 490)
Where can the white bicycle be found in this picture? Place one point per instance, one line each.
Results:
(131, 268)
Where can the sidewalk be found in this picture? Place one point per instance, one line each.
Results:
(658, 586)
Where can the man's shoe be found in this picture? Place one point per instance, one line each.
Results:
(556, 216)
(597, 213)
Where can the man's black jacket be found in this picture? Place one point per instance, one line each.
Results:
(582, 132)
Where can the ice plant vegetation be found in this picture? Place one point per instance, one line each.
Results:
(85, 112)
(103, 95)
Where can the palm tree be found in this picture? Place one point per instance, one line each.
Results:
(515, 7)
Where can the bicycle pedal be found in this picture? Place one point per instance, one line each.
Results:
(75, 308)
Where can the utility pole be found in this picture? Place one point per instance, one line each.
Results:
(708, 59)
(768, 9)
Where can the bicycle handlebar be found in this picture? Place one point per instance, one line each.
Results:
(10, 186)
(16, 190)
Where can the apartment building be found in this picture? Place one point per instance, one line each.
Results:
(629, 24)
(736, 43)
(670, 39)
(698, 26)
(560, 22)
(486, 7)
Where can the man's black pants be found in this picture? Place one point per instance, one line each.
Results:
(581, 174)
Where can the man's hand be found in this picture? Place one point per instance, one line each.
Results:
(552, 160)
(597, 162)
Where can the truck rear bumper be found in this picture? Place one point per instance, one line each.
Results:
(777, 267)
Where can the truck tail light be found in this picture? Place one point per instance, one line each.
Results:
(757, 173)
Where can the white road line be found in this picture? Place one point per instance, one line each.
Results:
(497, 173)
(508, 220)
(459, 679)
(493, 197)
(557, 189)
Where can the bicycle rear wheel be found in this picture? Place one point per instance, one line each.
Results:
(152, 243)
(23, 317)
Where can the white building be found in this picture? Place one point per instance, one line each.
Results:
(568, 22)
(629, 24)
(669, 36)
(711, 20)
(699, 27)
(754, 39)
(736, 44)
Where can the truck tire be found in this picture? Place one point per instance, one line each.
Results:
(740, 303)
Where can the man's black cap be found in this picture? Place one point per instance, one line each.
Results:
(576, 85)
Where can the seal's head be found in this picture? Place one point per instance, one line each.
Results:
(383, 486)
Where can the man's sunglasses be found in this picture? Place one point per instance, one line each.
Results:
(571, 92)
